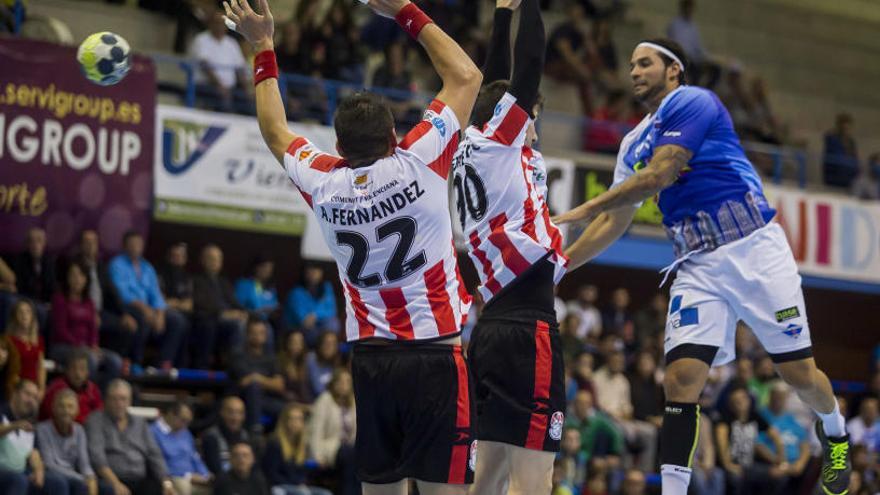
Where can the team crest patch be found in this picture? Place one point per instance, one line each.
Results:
(472, 462)
(787, 314)
(360, 180)
(793, 330)
(304, 154)
(440, 125)
(556, 422)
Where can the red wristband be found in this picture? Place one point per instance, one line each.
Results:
(412, 20)
(265, 66)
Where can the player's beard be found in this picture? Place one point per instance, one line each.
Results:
(651, 92)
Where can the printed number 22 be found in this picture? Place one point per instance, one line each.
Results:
(399, 264)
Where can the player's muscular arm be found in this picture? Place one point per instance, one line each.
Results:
(600, 234)
(662, 171)
(258, 30)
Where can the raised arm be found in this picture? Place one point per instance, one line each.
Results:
(497, 66)
(662, 171)
(259, 31)
(528, 56)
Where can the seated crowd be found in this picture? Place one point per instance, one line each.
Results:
(285, 419)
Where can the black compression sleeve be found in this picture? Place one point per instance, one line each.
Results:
(528, 56)
(497, 65)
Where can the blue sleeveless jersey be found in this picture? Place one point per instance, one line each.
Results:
(718, 198)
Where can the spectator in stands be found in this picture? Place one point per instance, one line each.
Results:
(585, 307)
(285, 459)
(75, 325)
(122, 449)
(599, 437)
(21, 466)
(223, 75)
(613, 392)
(702, 69)
(767, 127)
(765, 377)
(292, 362)
(218, 315)
(118, 329)
(394, 74)
(341, 38)
(10, 369)
(24, 334)
(706, 478)
(138, 287)
(794, 437)
(572, 346)
(174, 281)
(602, 56)
(736, 436)
(256, 375)
(647, 393)
(311, 307)
(867, 184)
(75, 379)
(35, 269)
(618, 317)
(574, 460)
(608, 124)
(566, 54)
(634, 483)
(867, 424)
(582, 374)
(651, 320)
(256, 293)
(241, 478)
(305, 100)
(334, 426)
(217, 441)
(64, 449)
(322, 362)
(185, 466)
(841, 159)
(8, 289)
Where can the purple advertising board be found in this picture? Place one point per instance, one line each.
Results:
(73, 155)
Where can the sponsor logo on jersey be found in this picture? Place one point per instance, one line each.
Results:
(440, 125)
(472, 462)
(686, 317)
(556, 422)
(672, 133)
(793, 330)
(497, 110)
(787, 314)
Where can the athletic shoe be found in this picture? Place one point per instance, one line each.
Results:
(836, 462)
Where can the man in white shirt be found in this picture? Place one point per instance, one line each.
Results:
(21, 467)
(223, 73)
(585, 307)
(861, 426)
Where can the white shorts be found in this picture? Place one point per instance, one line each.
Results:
(755, 280)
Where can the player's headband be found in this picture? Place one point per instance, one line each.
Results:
(663, 50)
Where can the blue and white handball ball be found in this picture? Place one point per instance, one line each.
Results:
(104, 57)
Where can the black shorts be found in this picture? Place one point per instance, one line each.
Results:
(414, 413)
(515, 355)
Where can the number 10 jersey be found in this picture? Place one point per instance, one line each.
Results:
(388, 228)
(502, 206)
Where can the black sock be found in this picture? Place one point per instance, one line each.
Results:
(679, 434)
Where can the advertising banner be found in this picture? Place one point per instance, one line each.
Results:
(73, 155)
(830, 235)
(214, 169)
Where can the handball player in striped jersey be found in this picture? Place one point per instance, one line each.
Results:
(499, 182)
(384, 212)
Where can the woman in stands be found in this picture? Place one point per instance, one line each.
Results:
(284, 461)
(10, 368)
(23, 333)
(75, 324)
(334, 425)
(322, 361)
(292, 362)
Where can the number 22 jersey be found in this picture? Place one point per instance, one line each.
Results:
(388, 228)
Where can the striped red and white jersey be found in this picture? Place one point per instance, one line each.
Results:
(388, 227)
(502, 210)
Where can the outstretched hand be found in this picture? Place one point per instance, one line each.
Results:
(583, 214)
(256, 28)
(387, 8)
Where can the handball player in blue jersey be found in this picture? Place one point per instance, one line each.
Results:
(732, 263)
